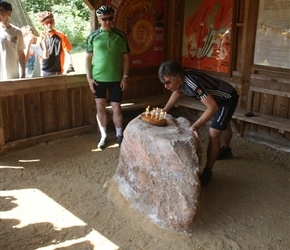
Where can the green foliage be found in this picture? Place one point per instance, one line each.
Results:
(71, 17)
(36, 6)
(81, 9)
(77, 7)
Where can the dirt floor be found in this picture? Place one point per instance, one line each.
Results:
(59, 195)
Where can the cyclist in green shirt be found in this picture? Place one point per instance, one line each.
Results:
(107, 68)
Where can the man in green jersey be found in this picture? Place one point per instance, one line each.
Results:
(107, 68)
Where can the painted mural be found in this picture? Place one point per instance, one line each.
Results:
(207, 35)
(143, 21)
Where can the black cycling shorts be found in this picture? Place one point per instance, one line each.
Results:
(114, 90)
(226, 110)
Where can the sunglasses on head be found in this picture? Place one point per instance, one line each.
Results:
(104, 19)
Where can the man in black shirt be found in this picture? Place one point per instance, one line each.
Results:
(58, 48)
(220, 99)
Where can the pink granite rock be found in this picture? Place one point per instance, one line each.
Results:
(158, 172)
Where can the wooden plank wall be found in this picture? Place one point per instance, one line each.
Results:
(143, 83)
(34, 107)
(269, 93)
(40, 109)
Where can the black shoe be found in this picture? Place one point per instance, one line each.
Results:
(119, 139)
(102, 143)
(225, 153)
(205, 176)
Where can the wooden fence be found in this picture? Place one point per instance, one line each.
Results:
(41, 109)
(34, 110)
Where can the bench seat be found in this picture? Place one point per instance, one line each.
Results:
(279, 123)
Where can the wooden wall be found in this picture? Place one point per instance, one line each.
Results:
(32, 110)
(40, 109)
(269, 93)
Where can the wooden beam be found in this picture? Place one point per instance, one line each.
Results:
(27, 85)
(270, 91)
(247, 48)
(90, 4)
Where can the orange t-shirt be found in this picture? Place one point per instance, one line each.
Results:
(57, 44)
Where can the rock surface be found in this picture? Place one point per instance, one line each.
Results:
(158, 172)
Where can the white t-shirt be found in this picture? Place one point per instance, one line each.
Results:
(32, 64)
(11, 40)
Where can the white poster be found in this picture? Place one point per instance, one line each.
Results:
(273, 34)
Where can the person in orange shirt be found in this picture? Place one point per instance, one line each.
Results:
(58, 48)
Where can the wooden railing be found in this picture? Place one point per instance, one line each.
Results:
(41, 109)
(270, 95)
(35, 110)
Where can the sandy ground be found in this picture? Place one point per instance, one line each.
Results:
(59, 195)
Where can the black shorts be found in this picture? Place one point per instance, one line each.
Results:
(114, 89)
(226, 110)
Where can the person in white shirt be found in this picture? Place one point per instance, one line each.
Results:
(35, 51)
(12, 46)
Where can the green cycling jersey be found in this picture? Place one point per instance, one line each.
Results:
(108, 48)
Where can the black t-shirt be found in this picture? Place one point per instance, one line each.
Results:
(199, 85)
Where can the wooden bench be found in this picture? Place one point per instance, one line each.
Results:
(239, 119)
(140, 103)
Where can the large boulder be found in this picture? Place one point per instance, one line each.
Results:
(158, 172)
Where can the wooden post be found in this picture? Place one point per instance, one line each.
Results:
(2, 136)
(248, 47)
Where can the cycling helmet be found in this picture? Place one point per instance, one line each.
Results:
(44, 15)
(105, 10)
